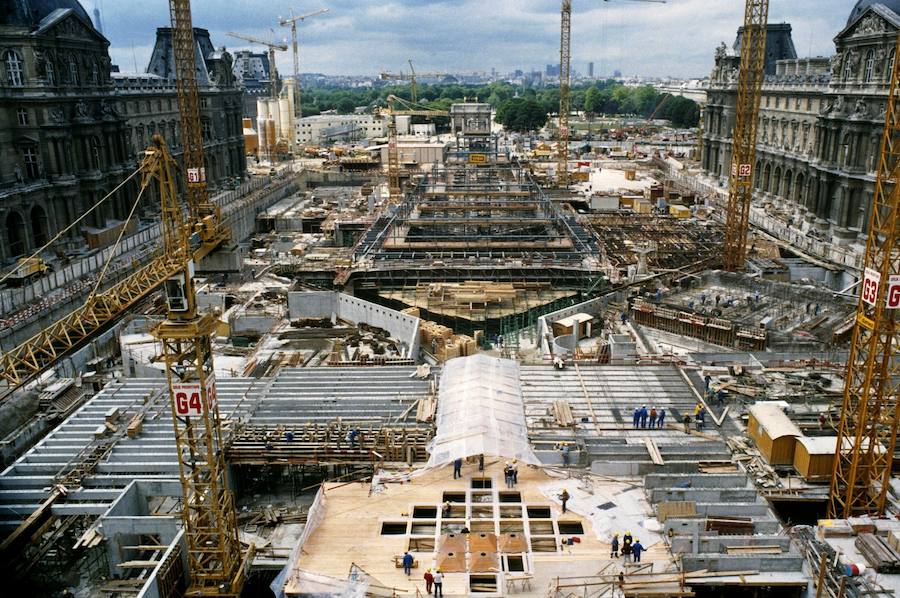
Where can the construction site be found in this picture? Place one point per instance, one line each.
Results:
(464, 373)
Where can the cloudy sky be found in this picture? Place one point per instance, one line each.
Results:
(366, 36)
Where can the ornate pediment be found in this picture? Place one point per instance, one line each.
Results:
(868, 25)
(875, 21)
(66, 23)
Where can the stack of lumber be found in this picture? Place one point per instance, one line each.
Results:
(878, 553)
(730, 526)
(562, 412)
(136, 425)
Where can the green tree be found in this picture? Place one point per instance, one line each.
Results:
(521, 114)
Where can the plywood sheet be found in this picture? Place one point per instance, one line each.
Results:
(485, 562)
(452, 543)
(482, 541)
(513, 542)
(451, 562)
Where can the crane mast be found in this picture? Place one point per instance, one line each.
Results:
(750, 79)
(565, 51)
(205, 215)
(867, 431)
(292, 22)
(215, 563)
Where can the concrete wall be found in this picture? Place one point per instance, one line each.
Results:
(329, 304)
(544, 328)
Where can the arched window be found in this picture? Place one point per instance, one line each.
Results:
(30, 157)
(848, 71)
(870, 65)
(50, 70)
(15, 74)
(73, 71)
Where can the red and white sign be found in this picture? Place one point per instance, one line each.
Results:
(870, 286)
(743, 171)
(892, 297)
(196, 175)
(189, 400)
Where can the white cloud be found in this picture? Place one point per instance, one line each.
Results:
(362, 37)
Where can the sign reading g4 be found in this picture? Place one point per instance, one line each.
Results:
(869, 291)
(892, 297)
(188, 399)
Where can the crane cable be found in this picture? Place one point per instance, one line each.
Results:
(76, 221)
(112, 253)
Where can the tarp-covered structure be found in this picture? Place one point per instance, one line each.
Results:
(480, 411)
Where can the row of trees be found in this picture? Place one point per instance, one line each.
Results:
(517, 108)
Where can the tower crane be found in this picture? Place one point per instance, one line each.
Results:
(393, 151)
(291, 22)
(867, 431)
(746, 121)
(215, 563)
(411, 77)
(565, 82)
(272, 46)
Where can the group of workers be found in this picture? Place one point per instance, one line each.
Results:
(642, 417)
(432, 580)
(630, 548)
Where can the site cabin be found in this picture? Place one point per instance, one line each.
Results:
(814, 457)
(774, 433)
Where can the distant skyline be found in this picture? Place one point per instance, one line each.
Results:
(675, 39)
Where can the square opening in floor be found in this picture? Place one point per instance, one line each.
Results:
(482, 483)
(568, 528)
(393, 528)
(515, 563)
(539, 512)
(424, 512)
(506, 496)
(483, 583)
(454, 497)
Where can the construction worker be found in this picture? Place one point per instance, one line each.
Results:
(626, 546)
(636, 550)
(429, 580)
(564, 449)
(564, 498)
(636, 418)
(438, 584)
(661, 418)
(515, 472)
(457, 468)
(507, 474)
(614, 547)
(407, 563)
(653, 416)
(644, 415)
(481, 462)
(445, 512)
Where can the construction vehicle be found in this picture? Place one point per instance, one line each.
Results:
(565, 82)
(868, 426)
(272, 46)
(746, 121)
(291, 22)
(411, 77)
(407, 109)
(26, 270)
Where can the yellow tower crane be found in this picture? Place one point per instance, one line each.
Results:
(393, 149)
(746, 121)
(867, 431)
(411, 77)
(565, 82)
(291, 22)
(272, 46)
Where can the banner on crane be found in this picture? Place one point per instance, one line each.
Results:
(188, 399)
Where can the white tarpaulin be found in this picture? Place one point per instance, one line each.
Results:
(480, 411)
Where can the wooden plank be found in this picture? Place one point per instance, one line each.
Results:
(655, 455)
